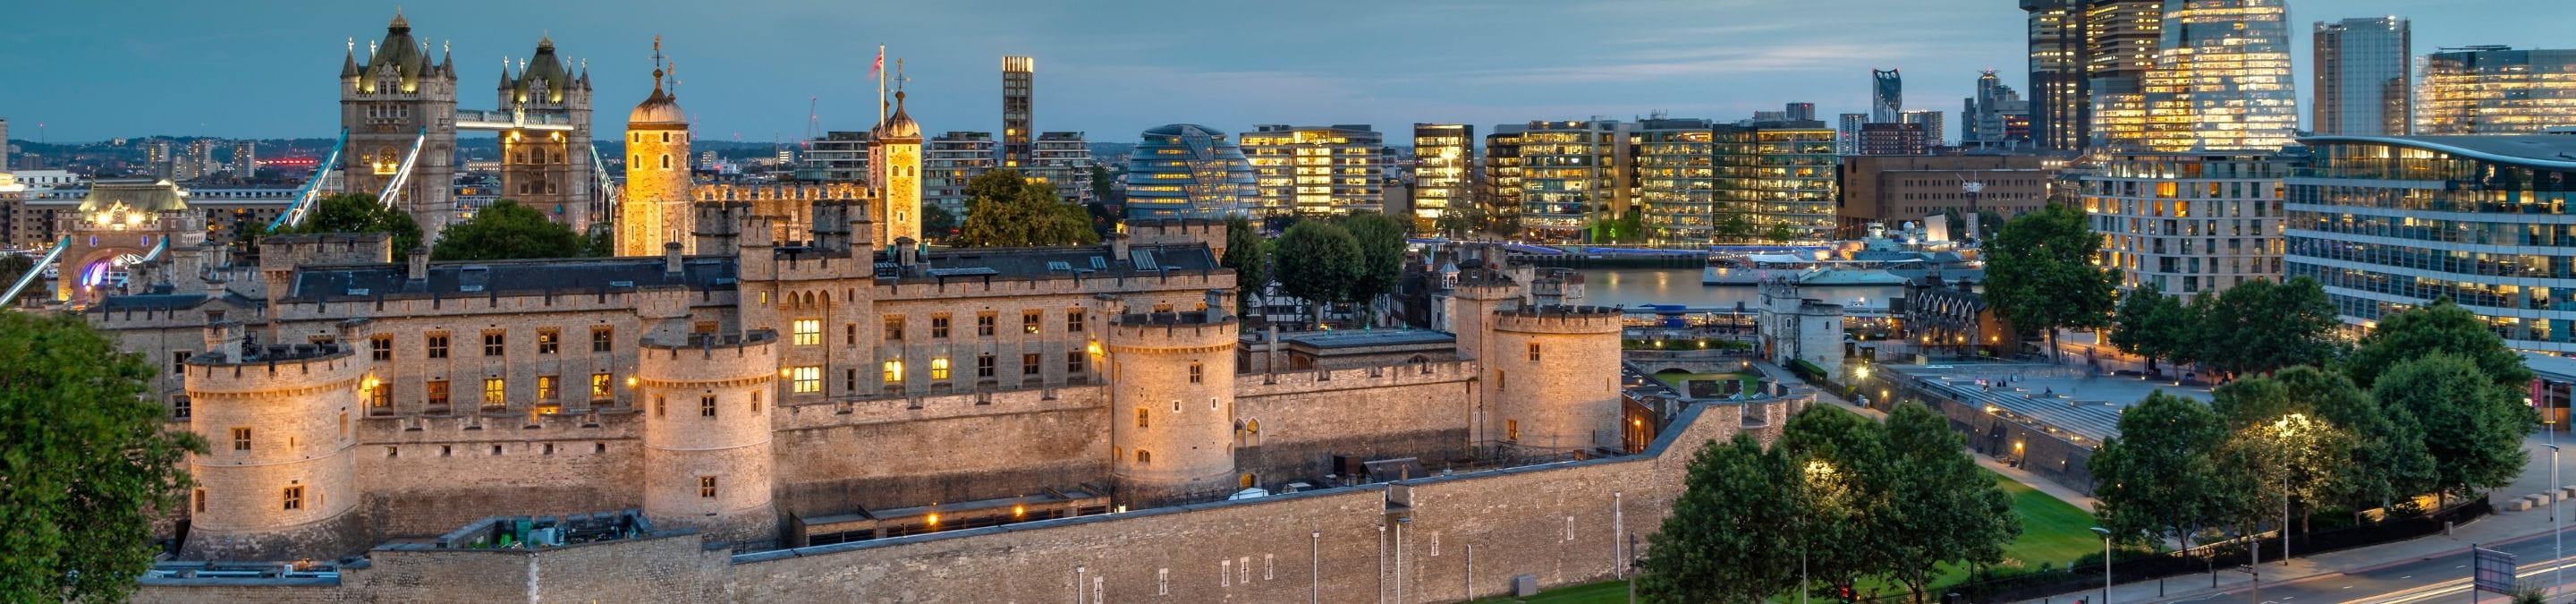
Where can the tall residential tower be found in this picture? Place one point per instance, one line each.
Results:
(2361, 77)
(1018, 76)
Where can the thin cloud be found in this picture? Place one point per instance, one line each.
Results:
(1715, 61)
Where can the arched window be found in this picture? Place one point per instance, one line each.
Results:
(666, 161)
(1143, 457)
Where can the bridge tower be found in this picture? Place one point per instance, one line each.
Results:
(386, 103)
(118, 224)
(550, 170)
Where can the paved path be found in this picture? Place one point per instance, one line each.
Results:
(2044, 485)
(2414, 570)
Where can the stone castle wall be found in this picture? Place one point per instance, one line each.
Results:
(1294, 422)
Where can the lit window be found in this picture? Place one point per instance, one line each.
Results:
(1029, 321)
(809, 332)
(438, 393)
(548, 387)
(810, 378)
(894, 329)
(599, 386)
(549, 341)
(894, 372)
(493, 389)
(939, 368)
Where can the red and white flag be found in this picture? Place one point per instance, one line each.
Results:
(879, 66)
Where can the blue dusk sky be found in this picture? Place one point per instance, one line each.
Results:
(268, 68)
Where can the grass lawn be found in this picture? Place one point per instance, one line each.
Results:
(2052, 531)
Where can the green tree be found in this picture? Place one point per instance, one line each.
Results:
(937, 223)
(1102, 185)
(360, 213)
(2388, 458)
(2260, 326)
(600, 241)
(1780, 233)
(1004, 209)
(1460, 221)
(1843, 458)
(1319, 262)
(89, 461)
(1942, 509)
(506, 230)
(2472, 427)
(2443, 327)
(2040, 273)
(2281, 439)
(1734, 227)
(2150, 324)
(13, 266)
(1248, 253)
(1381, 241)
(2157, 480)
(1731, 535)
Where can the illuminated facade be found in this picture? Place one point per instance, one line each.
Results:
(948, 162)
(2496, 90)
(655, 208)
(2221, 82)
(1019, 93)
(2060, 105)
(1315, 170)
(1936, 126)
(2362, 82)
(1677, 180)
(895, 154)
(1781, 175)
(2389, 223)
(1063, 159)
(1187, 171)
(1893, 139)
(2188, 223)
(1443, 155)
(1573, 174)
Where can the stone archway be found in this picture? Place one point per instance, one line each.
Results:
(97, 264)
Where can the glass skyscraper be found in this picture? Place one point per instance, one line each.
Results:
(1187, 171)
(2362, 82)
(2388, 223)
(2221, 82)
(2496, 90)
(1886, 96)
(1442, 156)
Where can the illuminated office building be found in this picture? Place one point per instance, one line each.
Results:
(1572, 175)
(1315, 170)
(2390, 223)
(1894, 139)
(1443, 155)
(1676, 175)
(2221, 82)
(2362, 82)
(1847, 132)
(2496, 90)
(2188, 222)
(1780, 176)
(1500, 189)
(1187, 171)
(2080, 49)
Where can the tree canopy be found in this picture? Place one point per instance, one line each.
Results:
(1727, 539)
(2157, 478)
(1381, 241)
(360, 213)
(2040, 273)
(1248, 253)
(2443, 327)
(89, 461)
(1319, 262)
(507, 230)
(937, 223)
(1942, 509)
(1004, 209)
(2259, 326)
(2472, 428)
(2152, 324)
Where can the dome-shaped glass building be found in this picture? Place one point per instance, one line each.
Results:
(1187, 171)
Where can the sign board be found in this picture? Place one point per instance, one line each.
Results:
(2492, 570)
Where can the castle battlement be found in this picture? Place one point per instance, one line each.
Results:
(1559, 319)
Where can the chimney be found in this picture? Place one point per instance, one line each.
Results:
(1117, 247)
(671, 258)
(1217, 305)
(906, 254)
(1270, 350)
(224, 337)
(419, 269)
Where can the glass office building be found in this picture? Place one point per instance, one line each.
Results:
(1187, 171)
(2362, 84)
(1443, 155)
(1572, 175)
(2496, 90)
(1315, 170)
(1677, 179)
(2388, 223)
(2221, 82)
(1500, 189)
(1782, 174)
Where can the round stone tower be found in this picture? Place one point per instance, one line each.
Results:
(279, 479)
(707, 402)
(1171, 393)
(1555, 372)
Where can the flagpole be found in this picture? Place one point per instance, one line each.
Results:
(879, 68)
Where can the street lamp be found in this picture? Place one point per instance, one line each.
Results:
(1817, 469)
(2286, 425)
(2557, 576)
(2106, 562)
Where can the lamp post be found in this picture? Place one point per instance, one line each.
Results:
(2106, 562)
(2557, 540)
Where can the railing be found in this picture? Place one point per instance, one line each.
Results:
(37, 271)
(403, 174)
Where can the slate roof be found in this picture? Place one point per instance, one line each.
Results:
(516, 277)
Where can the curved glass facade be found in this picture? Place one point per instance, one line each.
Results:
(2388, 223)
(1187, 171)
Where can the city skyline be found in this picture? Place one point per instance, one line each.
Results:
(1107, 72)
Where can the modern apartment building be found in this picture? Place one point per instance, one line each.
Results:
(1886, 95)
(243, 164)
(2388, 223)
(2221, 82)
(1443, 157)
(1847, 132)
(1500, 190)
(840, 156)
(1315, 170)
(1063, 159)
(2363, 86)
(948, 162)
(2188, 223)
(1187, 171)
(2496, 90)
(1893, 139)
(1936, 126)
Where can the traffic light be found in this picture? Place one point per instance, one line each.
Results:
(1846, 592)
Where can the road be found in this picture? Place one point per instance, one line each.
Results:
(2443, 578)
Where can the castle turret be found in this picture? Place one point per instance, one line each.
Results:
(895, 152)
(279, 481)
(707, 434)
(1555, 377)
(717, 228)
(1172, 404)
(656, 205)
(832, 224)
